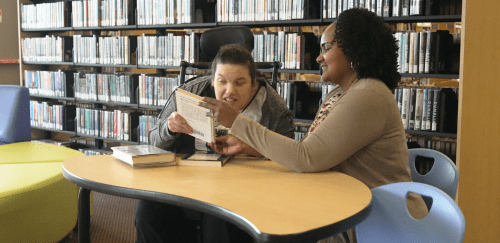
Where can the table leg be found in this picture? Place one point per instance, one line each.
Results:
(84, 215)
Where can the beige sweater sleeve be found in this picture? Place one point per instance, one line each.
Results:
(356, 120)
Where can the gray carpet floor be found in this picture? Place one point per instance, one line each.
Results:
(112, 220)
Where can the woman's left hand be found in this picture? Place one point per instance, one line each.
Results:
(224, 113)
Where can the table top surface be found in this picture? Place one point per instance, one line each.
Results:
(265, 199)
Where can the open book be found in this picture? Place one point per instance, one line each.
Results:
(199, 118)
(136, 155)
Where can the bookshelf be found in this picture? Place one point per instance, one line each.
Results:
(137, 26)
(478, 131)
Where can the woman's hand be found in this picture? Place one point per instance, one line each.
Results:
(224, 113)
(229, 144)
(177, 124)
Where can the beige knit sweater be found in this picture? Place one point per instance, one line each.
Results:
(363, 136)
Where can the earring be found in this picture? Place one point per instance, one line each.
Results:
(352, 66)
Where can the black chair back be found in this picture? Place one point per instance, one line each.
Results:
(213, 39)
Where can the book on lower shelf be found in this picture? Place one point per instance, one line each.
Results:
(202, 158)
(142, 155)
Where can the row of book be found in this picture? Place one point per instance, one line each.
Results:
(102, 49)
(83, 144)
(151, 90)
(46, 115)
(48, 83)
(43, 49)
(303, 97)
(95, 13)
(104, 87)
(261, 10)
(284, 89)
(325, 89)
(93, 151)
(146, 123)
(58, 142)
(88, 146)
(393, 8)
(168, 50)
(419, 52)
(428, 108)
(81, 13)
(287, 48)
(155, 90)
(114, 124)
(43, 15)
(427, 52)
(159, 12)
(447, 146)
(301, 131)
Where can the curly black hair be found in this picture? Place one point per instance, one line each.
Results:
(369, 44)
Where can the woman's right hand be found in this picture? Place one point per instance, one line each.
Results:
(177, 124)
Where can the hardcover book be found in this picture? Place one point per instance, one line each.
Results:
(418, 108)
(448, 110)
(137, 155)
(430, 102)
(201, 158)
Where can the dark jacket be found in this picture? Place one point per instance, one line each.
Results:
(275, 116)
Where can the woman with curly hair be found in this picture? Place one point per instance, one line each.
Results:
(358, 129)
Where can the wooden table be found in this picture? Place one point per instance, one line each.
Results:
(263, 198)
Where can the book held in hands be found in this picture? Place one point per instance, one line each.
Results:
(137, 155)
(199, 118)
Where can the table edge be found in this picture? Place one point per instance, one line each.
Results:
(227, 215)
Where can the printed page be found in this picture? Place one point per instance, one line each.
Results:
(196, 116)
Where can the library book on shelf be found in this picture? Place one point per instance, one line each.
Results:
(199, 118)
(203, 158)
(144, 155)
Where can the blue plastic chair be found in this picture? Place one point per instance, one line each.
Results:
(14, 114)
(390, 220)
(443, 174)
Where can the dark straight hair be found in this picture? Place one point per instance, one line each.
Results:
(236, 54)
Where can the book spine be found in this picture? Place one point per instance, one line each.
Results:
(396, 8)
(430, 101)
(411, 52)
(406, 45)
(416, 48)
(435, 109)
(418, 108)
(387, 8)
(422, 52)
(406, 107)
(400, 100)
(424, 109)
(413, 97)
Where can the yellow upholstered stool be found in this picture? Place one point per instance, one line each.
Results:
(37, 204)
(31, 152)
